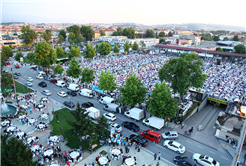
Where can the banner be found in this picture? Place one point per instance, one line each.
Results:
(218, 100)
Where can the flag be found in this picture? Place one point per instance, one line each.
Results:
(207, 47)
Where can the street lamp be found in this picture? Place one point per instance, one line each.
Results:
(62, 130)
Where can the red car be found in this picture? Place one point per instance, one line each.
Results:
(151, 135)
(54, 81)
(17, 66)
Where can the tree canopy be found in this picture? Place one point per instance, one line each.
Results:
(161, 40)
(74, 52)
(28, 34)
(106, 81)
(79, 39)
(135, 46)
(115, 33)
(162, 34)
(127, 46)
(18, 55)
(104, 48)
(71, 36)
(87, 75)
(129, 32)
(6, 83)
(116, 49)
(30, 58)
(133, 91)
(170, 34)
(102, 124)
(75, 29)
(142, 43)
(235, 38)
(161, 103)
(240, 48)
(150, 33)
(90, 51)
(219, 49)
(206, 36)
(60, 53)
(102, 32)
(44, 54)
(87, 32)
(47, 35)
(58, 69)
(119, 31)
(74, 69)
(5, 54)
(226, 39)
(216, 38)
(63, 33)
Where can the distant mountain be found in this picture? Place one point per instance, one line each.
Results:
(9, 23)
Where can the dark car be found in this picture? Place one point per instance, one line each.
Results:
(69, 104)
(42, 84)
(47, 78)
(54, 81)
(130, 125)
(184, 160)
(87, 105)
(15, 77)
(18, 73)
(139, 139)
(73, 93)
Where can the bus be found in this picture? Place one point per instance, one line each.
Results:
(62, 60)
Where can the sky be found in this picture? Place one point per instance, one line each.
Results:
(147, 12)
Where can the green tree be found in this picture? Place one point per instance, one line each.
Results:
(116, 49)
(60, 53)
(129, 32)
(30, 58)
(142, 43)
(29, 35)
(170, 34)
(184, 72)
(102, 124)
(119, 31)
(162, 34)
(90, 51)
(97, 48)
(70, 41)
(219, 49)
(6, 83)
(74, 52)
(87, 32)
(47, 35)
(60, 39)
(18, 55)
(161, 103)
(226, 39)
(133, 91)
(7, 52)
(115, 33)
(135, 46)
(102, 32)
(104, 48)
(63, 33)
(15, 152)
(44, 54)
(150, 33)
(240, 48)
(127, 46)
(87, 76)
(74, 69)
(10, 46)
(235, 38)
(71, 36)
(79, 39)
(161, 40)
(216, 38)
(58, 69)
(75, 29)
(206, 36)
(106, 81)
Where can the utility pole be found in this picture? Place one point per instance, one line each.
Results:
(239, 146)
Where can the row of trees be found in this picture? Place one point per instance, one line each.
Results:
(209, 37)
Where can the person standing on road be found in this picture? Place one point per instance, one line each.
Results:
(182, 126)
(191, 130)
(155, 155)
(159, 156)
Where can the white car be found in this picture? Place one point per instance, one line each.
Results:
(117, 127)
(109, 116)
(170, 135)
(40, 77)
(62, 94)
(175, 146)
(204, 160)
(29, 79)
(46, 92)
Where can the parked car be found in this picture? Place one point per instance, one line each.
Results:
(117, 127)
(72, 93)
(46, 92)
(87, 105)
(15, 77)
(204, 160)
(29, 79)
(139, 139)
(109, 116)
(54, 81)
(69, 104)
(18, 73)
(175, 146)
(131, 126)
(151, 135)
(42, 84)
(62, 94)
(170, 135)
(39, 77)
(184, 161)
(28, 83)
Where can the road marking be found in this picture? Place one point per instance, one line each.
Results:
(190, 151)
(224, 157)
(211, 152)
(200, 147)
(222, 144)
(188, 141)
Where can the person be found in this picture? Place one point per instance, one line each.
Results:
(159, 156)
(244, 158)
(191, 130)
(182, 126)
(155, 155)
(157, 164)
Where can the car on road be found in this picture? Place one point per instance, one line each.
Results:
(33, 66)
(62, 94)
(130, 125)
(72, 93)
(184, 161)
(17, 66)
(204, 160)
(54, 81)
(170, 135)
(29, 79)
(109, 116)
(47, 78)
(42, 84)
(175, 146)
(28, 83)
(15, 77)
(87, 105)
(117, 127)
(139, 139)
(151, 135)
(69, 104)
(46, 92)
(18, 73)
(40, 77)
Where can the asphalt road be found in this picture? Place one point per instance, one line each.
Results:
(167, 155)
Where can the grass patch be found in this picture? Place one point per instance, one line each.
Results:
(182, 118)
(73, 141)
(103, 152)
(9, 102)
(20, 87)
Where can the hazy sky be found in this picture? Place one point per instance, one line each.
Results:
(148, 12)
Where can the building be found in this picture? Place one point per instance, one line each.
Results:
(196, 39)
(97, 35)
(185, 32)
(6, 40)
(184, 42)
(109, 32)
